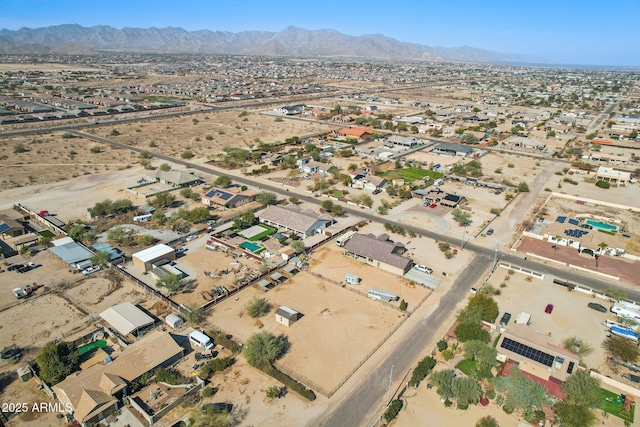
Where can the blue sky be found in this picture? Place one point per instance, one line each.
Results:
(589, 32)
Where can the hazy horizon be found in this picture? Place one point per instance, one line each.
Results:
(568, 32)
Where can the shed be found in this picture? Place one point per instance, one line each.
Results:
(291, 269)
(145, 260)
(174, 321)
(277, 277)
(286, 315)
(266, 285)
(126, 318)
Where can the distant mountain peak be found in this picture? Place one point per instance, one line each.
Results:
(290, 41)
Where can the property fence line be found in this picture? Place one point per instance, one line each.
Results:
(149, 290)
(304, 380)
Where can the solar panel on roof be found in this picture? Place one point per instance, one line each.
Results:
(573, 221)
(561, 219)
(4, 227)
(528, 352)
(224, 195)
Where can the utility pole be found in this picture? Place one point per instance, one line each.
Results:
(389, 390)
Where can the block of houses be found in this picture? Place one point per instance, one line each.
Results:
(378, 251)
(287, 316)
(230, 197)
(93, 393)
(293, 219)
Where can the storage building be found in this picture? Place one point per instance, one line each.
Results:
(145, 260)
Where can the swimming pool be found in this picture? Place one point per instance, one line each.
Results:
(602, 225)
(250, 246)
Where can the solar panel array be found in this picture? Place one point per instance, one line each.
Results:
(528, 352)
(575, 233)
(573, 221)
(561, 219)
(4, 227)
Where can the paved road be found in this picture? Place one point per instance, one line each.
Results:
(365, 403)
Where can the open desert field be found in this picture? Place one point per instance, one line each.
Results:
(337, 330)
(330, 263)
(208, 133)
(55, 318)
(44, 159)
(96, 293)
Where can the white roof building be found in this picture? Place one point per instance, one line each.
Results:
(126, 318)
(145, 259)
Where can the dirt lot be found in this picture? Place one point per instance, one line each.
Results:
(209, 132)
(330, 263)
(334, 319)
(50, 158)
(19, 392)
(56, 317)
(96, 293)
(69, 199)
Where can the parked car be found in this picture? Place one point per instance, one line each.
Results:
(548, 309)
(432, 205)
(90, 270)
(423, 268)
(490, 232)
(191, 237)
(597, 307)
(19, 292)
(505, 319)
(15, 267)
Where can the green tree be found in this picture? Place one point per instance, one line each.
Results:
(297, 246)
(443, 380)
(571, 415)
(582, 389)
(264, 348)
(266, 198)
(327, 205)
(194, 314)
(258, 307)
(485, 354)
(187, 154)
(163, 200)
(186, 192)
(472, 331)
(522, 392)
(170, 281)
(466, 390)
(523, 187)
(223, 181)
(57, 361)
(424, 368)
(616, 293)
(100, 258)
(469, 138)
(463, 218)
(487, 421)
(366, 200)
(486, 305)
(247, 219)
(147, 239)
(145, 155)
(621, 348)
(392, 411)
(198, 214)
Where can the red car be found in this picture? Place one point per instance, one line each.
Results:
(432, 205)
(548, 309)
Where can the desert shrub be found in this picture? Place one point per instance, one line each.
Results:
(442, 345)
(207, 392)
(392, 410)
(289, 382)
(603, 184)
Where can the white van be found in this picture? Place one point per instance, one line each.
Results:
(199, 339)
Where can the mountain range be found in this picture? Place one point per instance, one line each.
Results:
(291, 41)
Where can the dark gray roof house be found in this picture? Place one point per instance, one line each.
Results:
(293, 219)
(379, 252)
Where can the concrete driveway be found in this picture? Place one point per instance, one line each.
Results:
(423, 279)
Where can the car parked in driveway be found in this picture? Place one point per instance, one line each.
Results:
(90, 270)
(597, 307)
(548, 309)
(505, 319)
(423, 268)
(191, 237)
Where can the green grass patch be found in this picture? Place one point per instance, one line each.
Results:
(46, 233)
(468, 366)
(338, 194)
(268, 231)
(495, 342)
(612, 404)
(611, 233)
(410, 174)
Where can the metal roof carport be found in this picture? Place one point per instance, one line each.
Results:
(126, 318)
